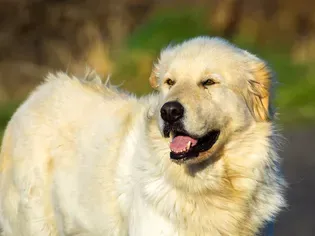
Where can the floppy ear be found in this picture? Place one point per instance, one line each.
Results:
(259, 90)
(153, 78)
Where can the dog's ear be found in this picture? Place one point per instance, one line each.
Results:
(153, 78)
(259, 86)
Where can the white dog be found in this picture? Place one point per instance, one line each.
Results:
(197, 158)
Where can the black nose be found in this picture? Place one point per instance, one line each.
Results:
(172, 111)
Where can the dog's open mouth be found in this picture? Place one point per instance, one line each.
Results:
(185, 147)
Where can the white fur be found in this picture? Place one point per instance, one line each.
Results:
(80, 158)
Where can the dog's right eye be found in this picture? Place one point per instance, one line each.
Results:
(170, 82)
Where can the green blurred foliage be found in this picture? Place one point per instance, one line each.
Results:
(6, 111)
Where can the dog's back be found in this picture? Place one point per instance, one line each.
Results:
(45, 143)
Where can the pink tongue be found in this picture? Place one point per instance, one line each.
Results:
(179, 143)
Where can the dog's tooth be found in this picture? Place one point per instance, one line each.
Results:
(188, 145)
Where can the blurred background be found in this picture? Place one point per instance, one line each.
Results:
(123, 38)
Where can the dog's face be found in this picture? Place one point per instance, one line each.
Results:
(209, 90)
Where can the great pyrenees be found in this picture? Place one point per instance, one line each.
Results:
(196, 157)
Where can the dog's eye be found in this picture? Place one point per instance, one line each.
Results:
(207, 82)
(170, 82)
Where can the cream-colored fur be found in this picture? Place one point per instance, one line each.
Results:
(82, 158)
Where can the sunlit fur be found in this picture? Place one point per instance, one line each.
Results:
(82, 158)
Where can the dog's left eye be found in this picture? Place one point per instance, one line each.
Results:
(207, 82)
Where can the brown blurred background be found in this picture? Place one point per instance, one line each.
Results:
(123, 38)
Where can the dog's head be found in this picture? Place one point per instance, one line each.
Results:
(209, 90)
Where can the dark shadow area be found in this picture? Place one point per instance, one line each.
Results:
(299, 169)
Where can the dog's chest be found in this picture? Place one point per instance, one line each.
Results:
(164, 211)
(145, 219)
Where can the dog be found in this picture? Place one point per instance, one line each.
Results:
(196, 157)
